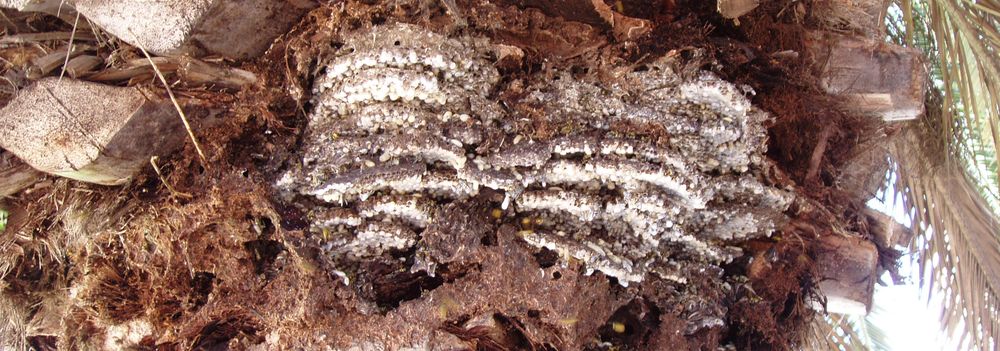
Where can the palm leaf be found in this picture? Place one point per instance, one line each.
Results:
(964, 38)
(848, 333)
(947, 163)
(959, 251)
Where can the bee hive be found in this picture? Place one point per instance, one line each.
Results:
(404, 124)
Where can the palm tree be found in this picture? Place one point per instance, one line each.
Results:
(199, 254)
(945, 164)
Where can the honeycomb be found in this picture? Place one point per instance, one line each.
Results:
(641, 177)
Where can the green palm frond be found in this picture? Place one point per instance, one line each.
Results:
(3, 220)
(947, 162)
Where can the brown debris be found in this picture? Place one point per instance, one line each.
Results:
(567, 304)
(82, 65)
(15, 175)
(861, 17)
(44, 65)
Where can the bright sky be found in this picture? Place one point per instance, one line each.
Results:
(910, 323)
(902, 311)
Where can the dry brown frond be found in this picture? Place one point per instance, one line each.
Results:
(834, 332)
(948, 163)
(13, 327)
(180, 111)
(957, 236)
